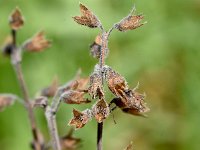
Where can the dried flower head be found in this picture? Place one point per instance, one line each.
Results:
(37, 43)
(51, 90)
(95, 89)
(87, 18)
(100, 110)
(74, 97)
(80, 118)
(16, 19)
(95, 47)
(6, 100)
(130, 22)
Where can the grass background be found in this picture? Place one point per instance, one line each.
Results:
(163, 56)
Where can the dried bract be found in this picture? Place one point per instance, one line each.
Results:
(6, 100)
(41, 101)
(96, 89)
(16, 19)
(74, 97)
(87, 18)
(80, 118)
(100, 110)
(130, 22)
(51, 90)
(37, 43)
(95, 47)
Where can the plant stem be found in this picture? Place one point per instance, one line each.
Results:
(99, 136)
(24, 90)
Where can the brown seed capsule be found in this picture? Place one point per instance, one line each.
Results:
(37, 43)
(41, 101)
(51, 90)
(130, 22)
(80, 118)
(95, 89)
(95, 47)
(87, 18)
(16, 19)
(6, 100)
(74, 97)
(100, 110)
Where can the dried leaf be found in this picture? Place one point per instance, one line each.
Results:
(6, 100)
(41, 101)
(69, 142)
(16, 19)
(51, 90)
(130, 22)
(37, 43)
(80, 118)
(87, 18)
(95, 47)
(74, 97)
(100, 110)
(130, 146)
(95, 89)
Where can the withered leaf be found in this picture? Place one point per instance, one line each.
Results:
(95, 47)
(41, 101)
(95, 89)
(100, 110)
(37, 43)
(51, 90)
(87, 18)
(130, 22)
(69, 142)
(74, 97)
(80, 118)
(6, 100)
(16, 19)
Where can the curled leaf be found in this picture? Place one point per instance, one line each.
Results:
(6, 100)
(37, 43)
(41, 101)
(95, 47)
(16, 19)
(130, 22)
(80, 118)
(87, 18)
(51, 90)
(69, 142)
(100, 110)
(95, 89)
(74, 97)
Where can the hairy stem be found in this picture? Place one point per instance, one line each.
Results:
(17, 66)
(50, 114)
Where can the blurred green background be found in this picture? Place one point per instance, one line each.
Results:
(163, 56)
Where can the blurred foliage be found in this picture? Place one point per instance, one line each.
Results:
(163, 56)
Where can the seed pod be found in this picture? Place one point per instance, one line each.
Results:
(74, 97)
(95, 47)
(51, 90)
(41, 101)
(6, 100)
(100, 110)
(87, 18)
(16, 19)
(37, 43)
(95, 89)
(80, 118)
(130, 22)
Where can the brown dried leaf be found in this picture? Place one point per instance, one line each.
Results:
(130, 22)
(87, 18)
(130, 146)
(37, 43)
(95, 47)
(80, 118)
(95, 89)
(74, 97)
(41, 101)
(100, 110)
(51, 90)
(69, 142)
(6, 100)
(16, 19)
